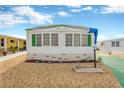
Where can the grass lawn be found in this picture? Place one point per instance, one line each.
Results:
(117, 66)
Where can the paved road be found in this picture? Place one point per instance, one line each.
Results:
(4, 58)
(117, 66)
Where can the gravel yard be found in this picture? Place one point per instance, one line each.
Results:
(4, 65)
(56, 75)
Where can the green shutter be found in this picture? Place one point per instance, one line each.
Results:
(33, 39)
(89, 39)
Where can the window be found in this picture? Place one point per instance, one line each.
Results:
(117, 44)
(84, 40)
(68, 39)
(2, 42)
(39, 40)
(76, 39)
(113, 44)
(46, 39)
(12, 41)
(54, 39)
(24, 42)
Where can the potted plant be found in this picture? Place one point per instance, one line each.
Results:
(4, 53)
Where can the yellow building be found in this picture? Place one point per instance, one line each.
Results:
(8, 43)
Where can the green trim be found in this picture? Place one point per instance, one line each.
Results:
(89, 39)
(28, 29)
(33, 39)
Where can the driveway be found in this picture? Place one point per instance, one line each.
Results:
(7, 57)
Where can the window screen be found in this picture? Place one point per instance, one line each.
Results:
(84, 40)
(39, 40)
(76, 39)
(54, 39)
(68, 39)
(117, 44)
(113, 44)
(46, 39)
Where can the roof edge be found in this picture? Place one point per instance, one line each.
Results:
(56, 25)
(112, 39)
(12, 36)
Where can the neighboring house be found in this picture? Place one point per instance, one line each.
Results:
(9, 42)
(112, 46)
(61, 43)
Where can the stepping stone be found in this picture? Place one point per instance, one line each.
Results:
(91, 70)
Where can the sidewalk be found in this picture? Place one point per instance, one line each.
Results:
(4, 58)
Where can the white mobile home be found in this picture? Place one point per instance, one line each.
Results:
(61, 43)
(112, 46)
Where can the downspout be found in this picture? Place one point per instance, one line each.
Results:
(95, 31)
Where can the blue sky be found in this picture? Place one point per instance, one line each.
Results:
(108, 19)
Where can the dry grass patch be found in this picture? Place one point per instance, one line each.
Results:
(55, 75)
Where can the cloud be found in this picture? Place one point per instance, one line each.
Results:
(33, 17)
(23, 15)
(8, 19)
(102, 9)
(63, 13)
(75, 10)
(18, 36)
(102, 37)
(88, 8)
(112, 9)
(119, 35)
(74, 6)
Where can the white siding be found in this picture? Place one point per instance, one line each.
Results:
(107, 46)
(72, 51)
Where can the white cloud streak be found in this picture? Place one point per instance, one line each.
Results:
(88, 8)
(8, 19)
(33, 17)
(103, 9)
(112, 9)
(22, 15)
(63, 13)
(102, 37)
(75, 10)
(74, 6)
(119, 35)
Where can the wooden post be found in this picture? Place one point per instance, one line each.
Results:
(5, 43)
(94, 57)
(18, 44)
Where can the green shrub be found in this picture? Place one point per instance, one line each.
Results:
(110, 53)
(97, 49)
(99, 59)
